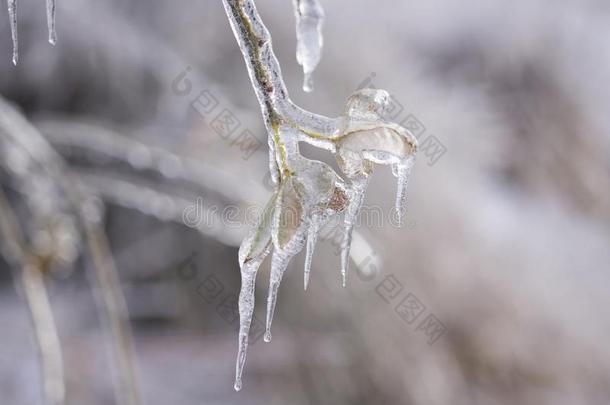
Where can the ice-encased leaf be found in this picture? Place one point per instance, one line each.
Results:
(288, 216)
(259, 239)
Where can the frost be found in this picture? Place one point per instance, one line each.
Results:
(308, 193)
(310, 18)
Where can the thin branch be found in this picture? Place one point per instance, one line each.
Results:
(45, 331)
(113, 307)
(39, 306)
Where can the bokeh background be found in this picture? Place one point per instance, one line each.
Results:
(507, 244)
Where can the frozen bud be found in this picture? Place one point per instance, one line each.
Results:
(367, 104)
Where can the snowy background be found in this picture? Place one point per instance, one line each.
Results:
(507, 243)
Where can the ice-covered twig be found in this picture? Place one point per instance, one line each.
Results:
(308, 192)
(309, 20)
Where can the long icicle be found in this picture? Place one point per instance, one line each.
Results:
(51, 21)
(402, 171)
(310, 18)
(12, 14)
(353, 208)
(246, 310)
(312, 236)
(279, 262)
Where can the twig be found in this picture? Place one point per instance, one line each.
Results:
(43, 163)
(39, 307)
(113, 308)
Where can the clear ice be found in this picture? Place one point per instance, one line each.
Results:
(307, 192)
(312, 236)
(51, 21)
(12, 15)
(402, 171)
(310, 18)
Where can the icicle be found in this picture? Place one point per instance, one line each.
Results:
(310, 17)
(353, 208)
(279, 262)
(51, 21)
(12, 14)
(402, 171)
(246, 309)
(312, 236)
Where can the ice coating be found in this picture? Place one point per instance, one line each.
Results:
(51, 21)
(12, 15)
(307, 192)
(309, 20)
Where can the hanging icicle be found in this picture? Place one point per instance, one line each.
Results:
(12, 15)
(51, 21)
(310, 18)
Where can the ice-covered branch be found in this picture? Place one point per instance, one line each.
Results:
(308, 192)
